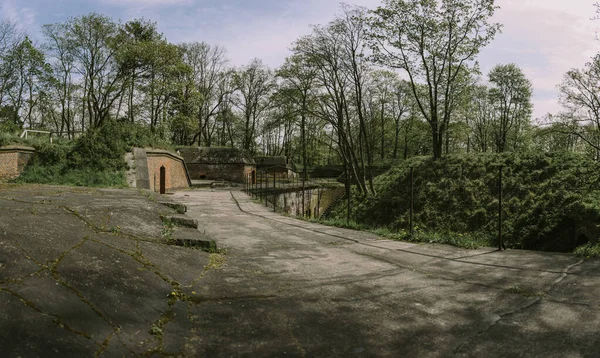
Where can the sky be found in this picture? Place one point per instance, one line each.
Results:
(546, 38)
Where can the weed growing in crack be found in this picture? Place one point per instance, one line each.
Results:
(523, 292)
(215, 261)
(156, 330)
(167, 230)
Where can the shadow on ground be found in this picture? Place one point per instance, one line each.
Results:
(88, 272)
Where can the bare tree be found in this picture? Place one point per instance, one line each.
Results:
(255, 84)
(580, 96)
(211, 78)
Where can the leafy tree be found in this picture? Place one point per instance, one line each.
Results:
(298, 83)
(212, 79)
(511, 96)
(432, 41)
(29, 71)
(95, 41)
(62, 85)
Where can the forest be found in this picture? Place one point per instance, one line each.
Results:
(371, 87)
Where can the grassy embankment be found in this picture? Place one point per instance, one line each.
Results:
(551, 202)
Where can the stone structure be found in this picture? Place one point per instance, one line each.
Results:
(13, 160)
(147, 163)
(280, 165)
(317, 199)
(229, 164)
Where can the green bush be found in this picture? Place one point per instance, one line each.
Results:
(546, 197)
(60, 175)
(104, 148)
(94, 159)
(588, 250)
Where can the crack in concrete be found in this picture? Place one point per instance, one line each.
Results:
(61, 257)
(57, 320)
(51, 266)
(426, 273)
(29, 257)
(157, 327)
(459, 259)
(500, 317)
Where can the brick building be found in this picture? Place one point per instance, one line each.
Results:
(280, 165)
(13, 159)
(229, 164)
(147, 173)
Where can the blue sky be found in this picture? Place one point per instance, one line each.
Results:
(544, 37)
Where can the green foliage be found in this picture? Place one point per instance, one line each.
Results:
(546, 199)
(104, 148)
(588, 250)
(35, 141)
(60, 175)
(96, 159)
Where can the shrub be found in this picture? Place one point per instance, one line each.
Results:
(104, 148)
(94, 159)
(588, 250)
(546, 196)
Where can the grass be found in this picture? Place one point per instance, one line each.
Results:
(523, 292)
(588, 251)
(215, 261)
(60, 175)
(33, 141)
(469, 241)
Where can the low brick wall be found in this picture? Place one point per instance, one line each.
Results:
(148, 162)
(13, 160)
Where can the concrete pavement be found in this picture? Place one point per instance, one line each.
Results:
(87, 272)
(297, 288)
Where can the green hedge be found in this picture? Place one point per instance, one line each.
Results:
(547, 199)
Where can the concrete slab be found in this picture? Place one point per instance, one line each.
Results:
(75, 283)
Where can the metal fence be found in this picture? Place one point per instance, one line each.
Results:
(495, 200)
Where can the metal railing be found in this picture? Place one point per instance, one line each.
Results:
(27, 131)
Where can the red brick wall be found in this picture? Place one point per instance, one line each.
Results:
(176, 176)
(9, 167)
(13, 161)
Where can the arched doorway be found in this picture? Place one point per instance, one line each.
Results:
(163, 180)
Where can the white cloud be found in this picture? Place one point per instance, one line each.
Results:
(24, 17)
(145, 3)
(248, 34)
(545, 38)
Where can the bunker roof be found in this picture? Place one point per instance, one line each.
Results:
(271, 161)
(215, 155)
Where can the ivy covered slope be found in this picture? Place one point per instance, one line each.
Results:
(550, 201)
(95, 159)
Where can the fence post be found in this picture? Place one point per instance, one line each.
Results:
(303, 192)
(500, 238)
(274, 190)
(412, 200)
(348, 194)
(319, 193)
